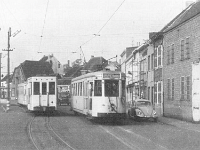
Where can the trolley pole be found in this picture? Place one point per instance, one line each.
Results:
(8, 80)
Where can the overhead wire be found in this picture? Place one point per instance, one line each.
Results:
(44, 24)
(101, 27)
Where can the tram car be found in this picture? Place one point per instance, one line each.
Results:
(38, 93)
(99, 95)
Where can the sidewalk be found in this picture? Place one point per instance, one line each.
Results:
(180, 124)
(3, 105)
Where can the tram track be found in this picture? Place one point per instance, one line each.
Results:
(45, 135)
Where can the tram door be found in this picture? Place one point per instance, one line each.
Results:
(44, 95)
(89, 96)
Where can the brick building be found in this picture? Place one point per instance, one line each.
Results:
(181, 43)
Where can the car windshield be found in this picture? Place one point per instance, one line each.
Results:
(143, 103)
(63, 94)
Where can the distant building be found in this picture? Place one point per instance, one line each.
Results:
(55, 64)
(29, 69)
(113, 66)
(94, 64)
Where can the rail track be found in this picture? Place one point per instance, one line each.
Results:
(46, 135)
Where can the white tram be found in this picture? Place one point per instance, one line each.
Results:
(38, 93)
(99, 94)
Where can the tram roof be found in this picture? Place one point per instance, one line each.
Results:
(94, 74)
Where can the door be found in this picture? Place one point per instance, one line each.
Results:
(196, 92)
(44, 99)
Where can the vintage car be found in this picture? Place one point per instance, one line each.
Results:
(142, 109)
(64, 98)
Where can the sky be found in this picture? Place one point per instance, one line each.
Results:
(72, 29)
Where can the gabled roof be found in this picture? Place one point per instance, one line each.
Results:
(33, 68)
(44, 58)
(73, 72)
(6, 77)
(188, 13)
(64, 81)
(93, 63)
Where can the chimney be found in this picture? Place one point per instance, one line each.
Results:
(68, 62)
(92, 56)
(151, 34)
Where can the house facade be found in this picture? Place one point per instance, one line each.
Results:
(150, 73)
(156, 44)
(181, 44)
(55, 64)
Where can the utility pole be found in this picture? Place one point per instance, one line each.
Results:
(8, 80)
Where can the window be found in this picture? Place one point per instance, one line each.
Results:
(149, 63)
(152, 91)
(187, 46)
(97, 88)
(182, 88)
(36, 88)
(155, 58)
(188, 88)
(159, 56)
(168, 55)
(111, 88)
(58, 65)
(152, 57)
(168, 89)
(123, 88)
(172, 52)
(76, 91)
(91, 88)
(44, 88)
(52, 88)
(172, 89)
(155, 93)
(148, 93)
(80, 88)
(182, 49)
(159, 92)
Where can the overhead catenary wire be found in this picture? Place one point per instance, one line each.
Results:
(44, 24)
(101, 28)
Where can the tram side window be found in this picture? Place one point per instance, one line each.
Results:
(36, 88)
(97, 88)
(51, 88)
(112, 88)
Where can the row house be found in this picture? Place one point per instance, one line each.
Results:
(143, 68)
(156, 46)
(128, 66)
(181, 43)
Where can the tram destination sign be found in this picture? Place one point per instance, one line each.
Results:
(113, 76)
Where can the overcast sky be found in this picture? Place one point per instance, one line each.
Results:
(62, 26)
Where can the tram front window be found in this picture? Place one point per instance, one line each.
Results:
(112, 88)
(36, 88)
(51, 88)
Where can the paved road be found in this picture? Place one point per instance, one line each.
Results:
(82, 134)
